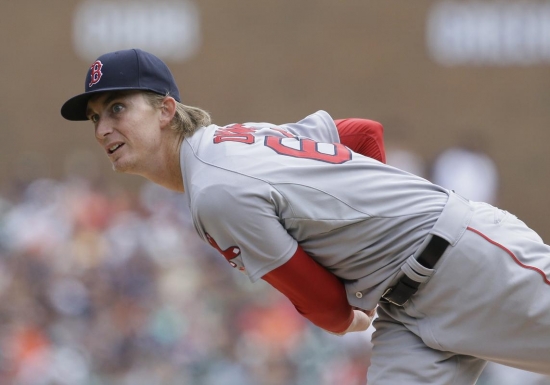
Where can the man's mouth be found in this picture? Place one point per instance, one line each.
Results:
(114, 147)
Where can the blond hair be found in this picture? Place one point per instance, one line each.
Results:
(187, 120)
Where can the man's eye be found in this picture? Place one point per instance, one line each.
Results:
(117, 108)
(94, 118)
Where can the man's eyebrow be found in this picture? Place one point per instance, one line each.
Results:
(111, 96)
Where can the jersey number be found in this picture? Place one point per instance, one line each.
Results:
(309, 149)
(306, 148)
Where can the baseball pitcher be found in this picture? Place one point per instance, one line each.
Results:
(312, 208)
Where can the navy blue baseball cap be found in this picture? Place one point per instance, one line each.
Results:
(131, 69)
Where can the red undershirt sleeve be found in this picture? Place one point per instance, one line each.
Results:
(316, 293)
(363, 136)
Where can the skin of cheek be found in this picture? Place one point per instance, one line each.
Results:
(141, 145)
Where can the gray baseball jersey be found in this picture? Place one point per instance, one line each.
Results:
(260, 189)
(257, 190)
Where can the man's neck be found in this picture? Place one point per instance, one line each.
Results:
(168, 171)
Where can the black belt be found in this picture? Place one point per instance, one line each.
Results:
(406, 287)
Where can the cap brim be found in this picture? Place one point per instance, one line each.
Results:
(75, 108)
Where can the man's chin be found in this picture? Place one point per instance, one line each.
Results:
(120, 168)
(124, 169)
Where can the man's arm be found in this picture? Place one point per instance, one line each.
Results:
(363, 136)
(317, 294)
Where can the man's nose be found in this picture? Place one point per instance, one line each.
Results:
(103, 128)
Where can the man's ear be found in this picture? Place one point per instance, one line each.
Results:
(167, 110)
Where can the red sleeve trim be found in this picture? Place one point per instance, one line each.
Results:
(363, 136)
(316, 293)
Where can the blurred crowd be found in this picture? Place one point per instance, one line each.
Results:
(101, 285)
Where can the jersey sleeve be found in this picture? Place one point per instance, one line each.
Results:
(253, 241)
(244, 227)
(363, 136)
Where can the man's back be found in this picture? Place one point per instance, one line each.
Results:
(356, 216)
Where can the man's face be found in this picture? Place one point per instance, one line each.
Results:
(127, 127)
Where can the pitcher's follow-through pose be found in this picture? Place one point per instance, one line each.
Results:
(311, 208)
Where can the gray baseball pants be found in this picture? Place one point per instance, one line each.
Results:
(487, 299)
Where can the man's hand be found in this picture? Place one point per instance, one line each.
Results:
(362, 319)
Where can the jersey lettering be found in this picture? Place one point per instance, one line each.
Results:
(234, 133)
(229, 253)
(96, 74)
(309, 149)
